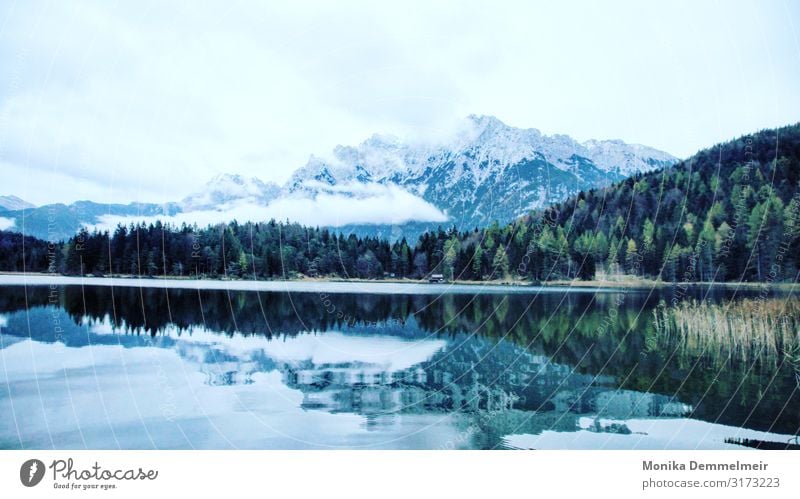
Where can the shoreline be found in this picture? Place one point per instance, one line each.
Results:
(321, 286)
(389, 285)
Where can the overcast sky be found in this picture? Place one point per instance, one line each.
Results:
(143, 101)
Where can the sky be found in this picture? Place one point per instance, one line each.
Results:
(145, 101)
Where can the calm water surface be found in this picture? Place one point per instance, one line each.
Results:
(128, 367)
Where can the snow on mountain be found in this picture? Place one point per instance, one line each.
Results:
(13, 203)
(487, 171)
(224, 191)
(626, 159)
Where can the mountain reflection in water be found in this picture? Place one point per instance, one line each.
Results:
(119, 367)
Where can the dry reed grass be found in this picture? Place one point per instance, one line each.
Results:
(746, 330)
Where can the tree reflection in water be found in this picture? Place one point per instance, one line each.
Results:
(515, 363)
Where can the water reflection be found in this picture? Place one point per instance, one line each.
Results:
(139, 368)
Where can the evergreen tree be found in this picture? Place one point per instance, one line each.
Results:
(500, 263)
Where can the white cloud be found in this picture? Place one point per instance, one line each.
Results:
(6, 223)
(388, 353)
(372, 204)
(376, 204)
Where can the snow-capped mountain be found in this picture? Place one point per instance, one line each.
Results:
(385, 186)
(488, 171)
(225, 190)
(11, 203)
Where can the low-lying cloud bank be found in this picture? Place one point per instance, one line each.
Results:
(377, 204)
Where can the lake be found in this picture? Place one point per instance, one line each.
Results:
(332, 366)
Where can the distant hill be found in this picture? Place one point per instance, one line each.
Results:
(56, 222)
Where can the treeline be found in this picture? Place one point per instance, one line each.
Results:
(730, 212)
(261, 250)
(270, 250)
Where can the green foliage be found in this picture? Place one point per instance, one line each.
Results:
(500, 263)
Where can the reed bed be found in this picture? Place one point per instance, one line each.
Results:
(748, 330)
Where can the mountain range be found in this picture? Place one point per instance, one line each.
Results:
(487, 171)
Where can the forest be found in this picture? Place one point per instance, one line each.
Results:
(728, 213)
